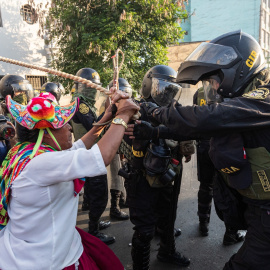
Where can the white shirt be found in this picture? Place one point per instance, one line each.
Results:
(41, 234)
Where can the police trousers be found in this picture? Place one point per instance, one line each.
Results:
(254, 254)
(96, 195)
(148, 206)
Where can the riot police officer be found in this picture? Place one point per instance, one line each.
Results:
(95, 196)
(54, 88)
(207, 176)
(232, 69)
(20, 89)
(154, 178)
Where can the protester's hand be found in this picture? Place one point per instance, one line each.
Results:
(126, 107)
(117, 95)
(142, 130)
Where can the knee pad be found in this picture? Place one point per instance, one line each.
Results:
(141, 239)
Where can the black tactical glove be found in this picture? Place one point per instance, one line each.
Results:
(147, 110)
(145, 131)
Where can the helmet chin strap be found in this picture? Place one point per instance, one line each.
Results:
(39, 141)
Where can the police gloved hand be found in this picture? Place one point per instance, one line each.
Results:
(147, 109)
(144, 131)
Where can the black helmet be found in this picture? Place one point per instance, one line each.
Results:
(123, 86)
(15, 85)
(54, 88)
(89, 74)
(235, 58)
(159, 83)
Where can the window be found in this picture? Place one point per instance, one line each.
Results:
(29, 14)
(36, 81)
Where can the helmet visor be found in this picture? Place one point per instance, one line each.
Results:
(210, 87)
(97, 98)
(22, 86)
(23, 89)
(210, 53)
(163, 92)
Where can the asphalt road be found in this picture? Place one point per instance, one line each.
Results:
(206, 253)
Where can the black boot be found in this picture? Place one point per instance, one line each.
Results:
(93, 229)
(204, 226)
(168, 254)
(232, 236)
(115, 211)
(123, 201)
(140, 251)
(177, 231)
(104, 224)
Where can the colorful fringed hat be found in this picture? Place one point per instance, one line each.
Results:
(42, 112)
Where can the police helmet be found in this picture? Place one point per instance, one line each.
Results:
(15, 85)
(89, 74)
(54, 88)
(235, 58)
(123, 86)
(159, 83)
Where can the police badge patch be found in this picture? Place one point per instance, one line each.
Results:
(83, 109)
(260, 93)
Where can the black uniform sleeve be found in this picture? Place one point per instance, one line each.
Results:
(85, 118)
(233, 115)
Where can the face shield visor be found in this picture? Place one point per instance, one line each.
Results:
(209, 53)
(210, 87)
(23, 91)
(97, 98)
(163, 92)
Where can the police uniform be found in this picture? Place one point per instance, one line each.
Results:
(240, 150)
(151, 203)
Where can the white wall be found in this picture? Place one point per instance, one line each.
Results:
(19, 40)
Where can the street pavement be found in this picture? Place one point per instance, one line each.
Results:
(206, 253)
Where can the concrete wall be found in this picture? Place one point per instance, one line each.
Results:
(177, 54)
(19, 40)
(212, 18)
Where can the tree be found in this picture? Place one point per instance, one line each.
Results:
(89, 32)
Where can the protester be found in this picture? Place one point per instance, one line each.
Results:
(41, 178)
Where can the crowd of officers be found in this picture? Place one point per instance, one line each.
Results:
(229, 127)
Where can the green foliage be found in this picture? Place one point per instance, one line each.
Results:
(89, 32)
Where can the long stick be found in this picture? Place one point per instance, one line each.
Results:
(58, 73)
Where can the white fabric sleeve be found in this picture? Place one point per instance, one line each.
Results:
(61, 166)
(76, 145)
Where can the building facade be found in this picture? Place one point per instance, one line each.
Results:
(19, 28)
(211, 18)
